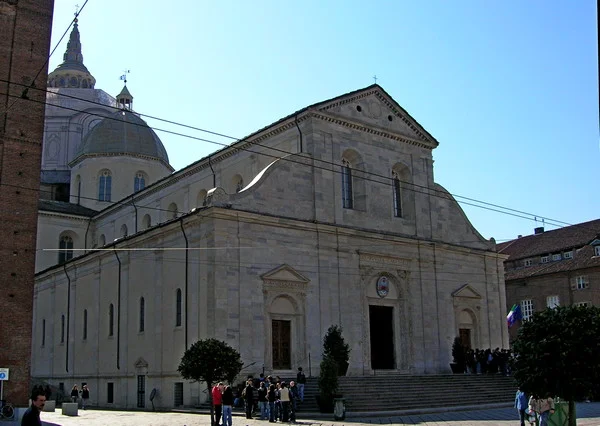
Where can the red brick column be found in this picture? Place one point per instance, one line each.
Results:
(25, 27)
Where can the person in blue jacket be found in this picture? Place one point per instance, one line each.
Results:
(521, 405)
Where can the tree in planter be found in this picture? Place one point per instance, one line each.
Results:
(328, 384)
(557, 352)
(210, 361)
(459, 356)
(336, 348)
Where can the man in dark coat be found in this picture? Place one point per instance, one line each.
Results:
(32, 415)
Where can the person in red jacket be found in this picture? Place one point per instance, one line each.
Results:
(217, 400)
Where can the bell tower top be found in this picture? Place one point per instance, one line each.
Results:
(72, 73)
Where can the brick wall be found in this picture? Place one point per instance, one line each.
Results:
(25, 28)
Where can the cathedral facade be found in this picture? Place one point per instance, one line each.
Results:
(328, 216)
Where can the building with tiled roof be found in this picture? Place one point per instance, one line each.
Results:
(559, 267)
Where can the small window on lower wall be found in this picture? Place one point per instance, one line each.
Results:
(552, 301)
(110, 393)
(178, 394)
(583, 304)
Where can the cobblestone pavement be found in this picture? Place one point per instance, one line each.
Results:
(587, 415)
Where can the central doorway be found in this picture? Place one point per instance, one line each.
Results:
(282, 342)
(382, 337)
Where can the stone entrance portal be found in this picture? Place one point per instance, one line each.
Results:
(382, 337)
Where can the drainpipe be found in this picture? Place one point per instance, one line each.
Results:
(86, 235)
(118, 310)
(68, 316)
(213, 173)
(186, 280)
(136, 214)
(299, 131)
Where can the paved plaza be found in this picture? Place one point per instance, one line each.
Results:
(587, 415)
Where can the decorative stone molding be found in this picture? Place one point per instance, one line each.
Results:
(366, 257)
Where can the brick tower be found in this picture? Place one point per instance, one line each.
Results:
(25, 27)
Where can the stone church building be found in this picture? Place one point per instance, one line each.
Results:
(330, 215)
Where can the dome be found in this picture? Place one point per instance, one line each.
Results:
(123, 133)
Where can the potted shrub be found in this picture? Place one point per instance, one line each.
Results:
(459, 357)
(328, 385)
(336, 348)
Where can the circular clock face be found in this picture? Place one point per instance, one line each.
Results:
(383, 286)
(73, 81)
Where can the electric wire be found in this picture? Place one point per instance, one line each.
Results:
(387, 180)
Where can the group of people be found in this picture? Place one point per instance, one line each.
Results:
(534, 408)
(488, 361)
(85, 395)
(276, 399)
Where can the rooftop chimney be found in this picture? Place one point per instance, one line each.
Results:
(538, 230)
(519, 236)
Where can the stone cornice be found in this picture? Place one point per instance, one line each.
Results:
(355, 125)
(64, 215)
(119, 154)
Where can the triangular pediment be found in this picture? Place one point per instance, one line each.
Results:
(284, 273)
(141, 363)
(466, 291)
(374, 108)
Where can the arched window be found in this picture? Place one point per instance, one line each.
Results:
(65, 249)
(178, 308)
(123, 231)
(146, 222)
(62, 329)
(102, 240)
(139, 182)
(347, 195)
(201, 198)
(85, 324)
(397, 193)
(104, 185)
(402, 197)
(172, 211)
(111, 320)
(353, 180)
(142, 313)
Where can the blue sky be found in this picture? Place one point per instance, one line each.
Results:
(509, 89)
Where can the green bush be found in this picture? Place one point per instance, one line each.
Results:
(328, 384)
(336, 348)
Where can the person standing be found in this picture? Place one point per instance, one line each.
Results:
(217, 400)
(284, 396)
(300, 381)
(85, 396)
(545, 407)
(272, 397)
(74, 393)
(294, 397)
(249, 398)
(262, 401)
(227, 406)
(32, 414)
(521, 405)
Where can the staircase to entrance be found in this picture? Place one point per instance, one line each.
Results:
(396, 392)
